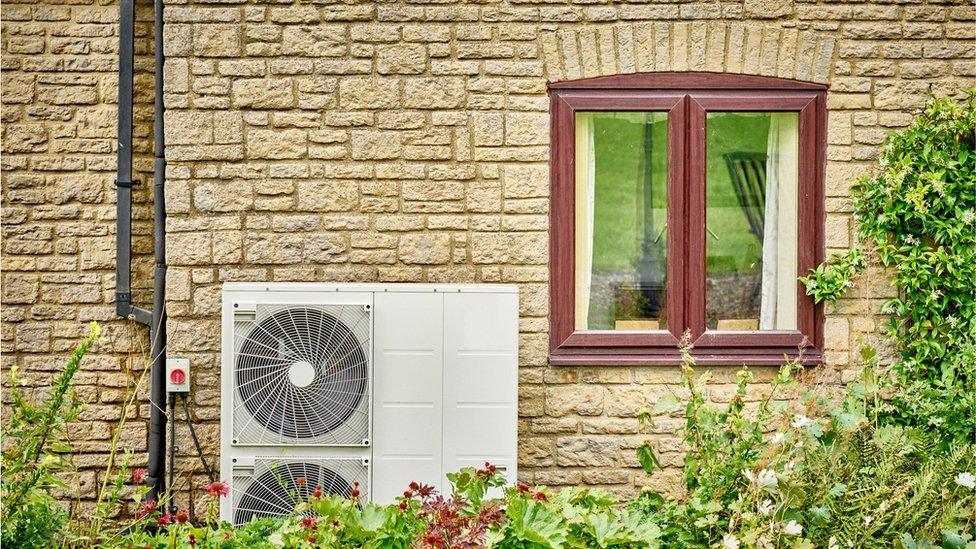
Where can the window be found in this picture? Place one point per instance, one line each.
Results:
(685, 202)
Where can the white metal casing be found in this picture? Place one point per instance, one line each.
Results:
(443, 393)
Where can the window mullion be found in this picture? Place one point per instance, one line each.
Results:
(695, 231)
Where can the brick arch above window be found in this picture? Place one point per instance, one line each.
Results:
(712, 46)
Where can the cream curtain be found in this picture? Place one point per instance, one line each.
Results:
(778, 305)
(585, 182)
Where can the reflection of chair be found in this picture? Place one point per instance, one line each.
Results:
(748, 172)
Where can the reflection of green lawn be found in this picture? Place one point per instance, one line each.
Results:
(619, 228)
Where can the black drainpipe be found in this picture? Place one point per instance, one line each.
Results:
(156, 318)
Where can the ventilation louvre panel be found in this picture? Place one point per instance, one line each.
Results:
(301, 375)
(275, 486)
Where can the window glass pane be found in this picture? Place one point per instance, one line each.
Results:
(621, 220)
(750, 237)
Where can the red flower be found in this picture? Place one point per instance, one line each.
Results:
(317, 492)
(192, 539)
(408, 494)
(414, 486)
(182, 516)
(310, 539)
(488, 471)
(138, 476)
(300, 481)
(425, 490)
(355, 490)
(146, 508)
(433, 540)
(164, 519)
(523, 487)
(218, 489)
(403, 506)
(309, 523)
(335, 523)
(539, 496)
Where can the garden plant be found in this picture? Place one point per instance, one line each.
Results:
(884, 461)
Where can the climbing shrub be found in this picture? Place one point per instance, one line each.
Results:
(916, 215)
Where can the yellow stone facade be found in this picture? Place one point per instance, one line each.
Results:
(393, 142)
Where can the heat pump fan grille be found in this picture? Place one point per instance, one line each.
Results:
(301, 376)
(277, 486)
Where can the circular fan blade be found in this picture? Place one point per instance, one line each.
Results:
(301, 373)
(277, 491)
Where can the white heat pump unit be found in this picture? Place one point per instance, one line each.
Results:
(362, 387)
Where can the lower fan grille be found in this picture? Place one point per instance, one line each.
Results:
(277, 485)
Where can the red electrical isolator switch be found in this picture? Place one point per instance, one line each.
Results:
(177, 375)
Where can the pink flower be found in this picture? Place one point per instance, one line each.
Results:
(309, 523)
(138, 476)
(164, 519)
(182, 516)
(218, 489)
(146, 509)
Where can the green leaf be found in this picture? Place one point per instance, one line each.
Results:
(668, 404)
(647, 458)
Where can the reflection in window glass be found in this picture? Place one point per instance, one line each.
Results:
(621, 220)
(750, 237)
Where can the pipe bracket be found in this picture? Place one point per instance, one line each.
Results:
(127, 184)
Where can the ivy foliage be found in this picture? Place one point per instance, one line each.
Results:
(917, 214)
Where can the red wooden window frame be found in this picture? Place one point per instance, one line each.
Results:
(688, 98)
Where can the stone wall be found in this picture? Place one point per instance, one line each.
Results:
(59, 95)
(409, 142)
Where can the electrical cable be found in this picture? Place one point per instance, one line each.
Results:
(172, 452)
(196, 441)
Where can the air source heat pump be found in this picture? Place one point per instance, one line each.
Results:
(362, 388)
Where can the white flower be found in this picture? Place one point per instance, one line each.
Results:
(778, 437)
(966, 479)
(766, 507)
(792, 528)
(800, 421)
(952, 320)
(867, 520)
(764, 543)
(730, 542)
(832, 543)
(910, 239)
(888, 309)
(935, 294)
(848, 283)
(766, 480)
(968, 217)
